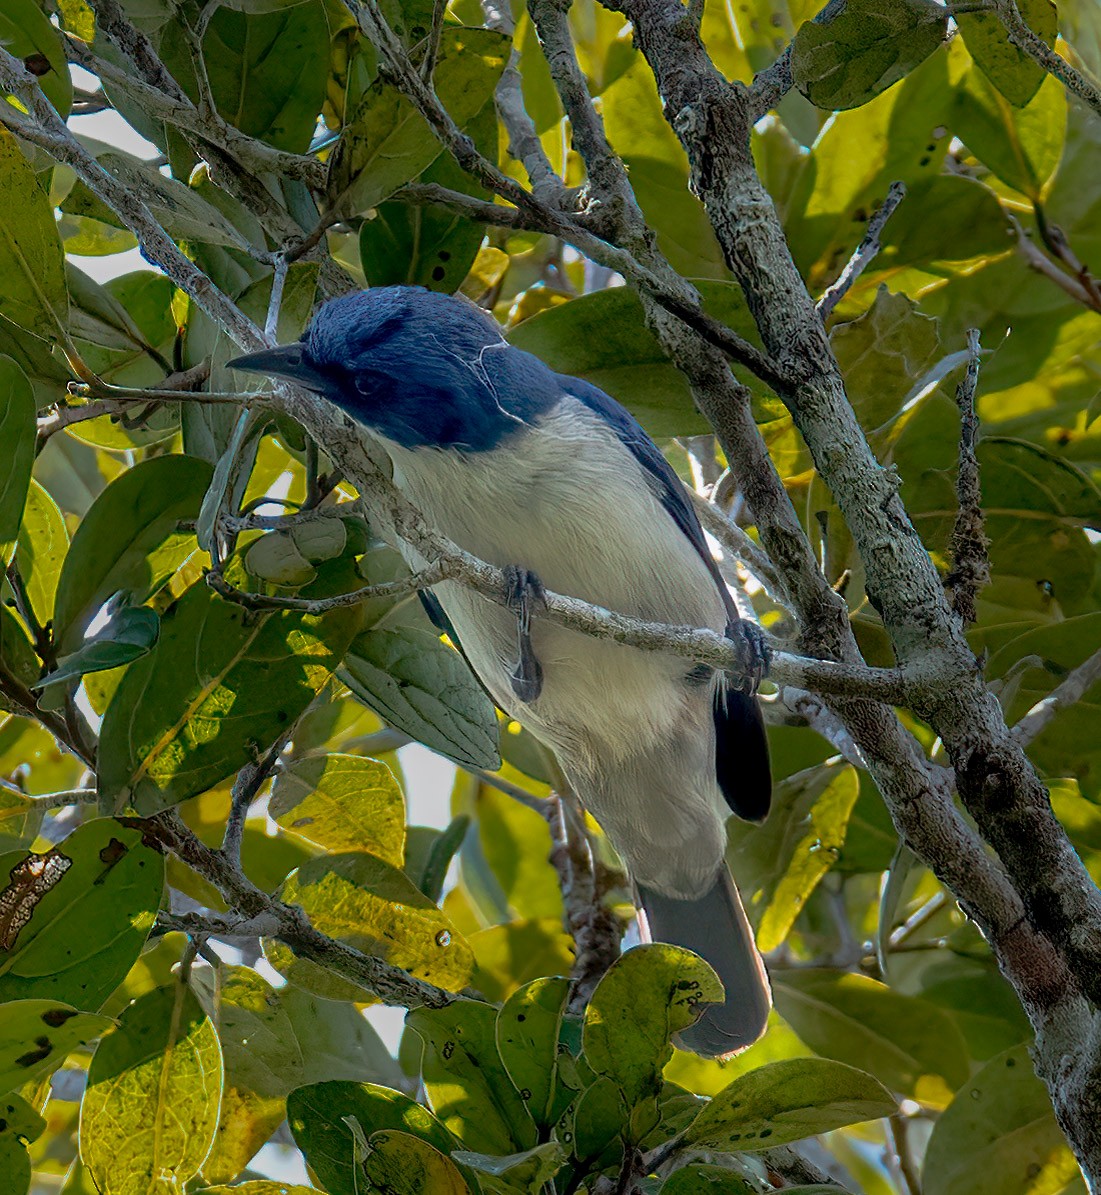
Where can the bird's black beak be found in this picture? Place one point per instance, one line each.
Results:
(287, 361)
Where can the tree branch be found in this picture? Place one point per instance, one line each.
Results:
(865, 252)
(1030, 43)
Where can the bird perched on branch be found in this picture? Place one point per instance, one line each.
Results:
(550, 479)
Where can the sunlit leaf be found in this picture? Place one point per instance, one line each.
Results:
(342, 802)
(151, 1107)
(17, 436)
(374, 907)
(646, 996)
(786, 1101)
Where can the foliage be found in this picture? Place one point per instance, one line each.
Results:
(135, 698)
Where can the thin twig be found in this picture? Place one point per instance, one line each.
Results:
(250, 779)
(865, 251)
(1030, 43)
(289, 924)
(899, 1139)
(1074, 686)
(423, 579)
(969, 546)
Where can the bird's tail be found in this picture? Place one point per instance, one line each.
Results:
(716, 928)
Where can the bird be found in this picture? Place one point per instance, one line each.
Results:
(553, 481)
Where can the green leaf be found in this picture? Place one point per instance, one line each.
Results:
(321, 1118)
(596, 1124)
(129, 541)
(17, 654)
(182, 213)
(274, 1041)
(999, 1128)
(343, 803)
(424, 688)
(528, 1026)
(646, 996)
(779, 864)
(131, 632)
(40, 549)
(386, 143)
(261, 1186)
(17, 438)
(701, 1178)
(26, 33)
(909, 1045)
(1033, 663)
(401, 1164)
(219, 685)
(517, 845)
(603, 338)
(1022, 146)
(31, 257)
(20, 1124)
(85, 909)
(267, 70)
(1011, 70)
(468, 1086)
(151, 1106)
(787, 1101)
(374, 907)
(445, 846)
(530, 1170)
(512, 954)
(429, 245)
(848, 54)
(37, 1035)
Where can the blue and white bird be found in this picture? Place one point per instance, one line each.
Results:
(544, 474)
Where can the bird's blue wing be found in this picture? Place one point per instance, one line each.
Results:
(664, 482)
(741, 745)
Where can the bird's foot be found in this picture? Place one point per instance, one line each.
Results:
(524, 594)
(755, 653)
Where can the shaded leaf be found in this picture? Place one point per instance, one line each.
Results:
(850, 53)
(401, 1164)
(374, 907)
(20, 1124)
(26, 34)
(998, 1129)
(342, 802)
(151, 1107)
(424, 688)
(526, 1171)
(17, 438)
(787, 1101)
(31, 258)
(130, 633)
(321, 1117)
(129, 542)
(387, 142)
(702, 1178)
(909, 1045)
(468, 1087)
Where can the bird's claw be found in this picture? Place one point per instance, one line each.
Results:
(755, 652)
(524, 592)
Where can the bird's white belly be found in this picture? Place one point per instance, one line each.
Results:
(571, 504)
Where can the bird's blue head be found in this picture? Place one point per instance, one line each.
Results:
(423, 369)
